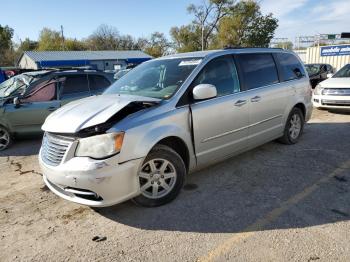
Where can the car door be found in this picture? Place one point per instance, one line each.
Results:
(98, 84)
(265, 94)
(220, 124)
(29, 115)
(75, 86)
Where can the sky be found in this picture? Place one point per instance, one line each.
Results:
(140, 18)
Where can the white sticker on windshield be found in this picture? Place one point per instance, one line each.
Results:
(190, 62)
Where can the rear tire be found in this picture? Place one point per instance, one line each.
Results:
(161, 177)
(5, 138)
(294, 127)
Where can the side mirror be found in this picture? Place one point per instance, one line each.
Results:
(204, 91)
(298, 73)
(329, 75)
(16, 102)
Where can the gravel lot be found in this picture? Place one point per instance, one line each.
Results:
(274, 203)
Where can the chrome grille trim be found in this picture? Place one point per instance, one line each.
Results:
(336, 91)
(336, 102)
(54, 148)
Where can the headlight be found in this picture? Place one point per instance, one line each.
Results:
(100, 146)
(318, 90)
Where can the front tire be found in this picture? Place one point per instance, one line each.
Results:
(161, 177)
(294, 127)
(5, 138)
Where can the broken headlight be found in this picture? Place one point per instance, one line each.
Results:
(100, 146)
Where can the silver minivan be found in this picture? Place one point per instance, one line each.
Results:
(169, 117)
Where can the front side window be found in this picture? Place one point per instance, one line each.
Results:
(220, 72)
(258, 70)
(291, 67)
(75, 84)
(44, 93)
(156, 78)
(329, 69)
(312, 69)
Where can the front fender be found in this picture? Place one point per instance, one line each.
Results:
(3, 121)
(139, 140)
(138, 147)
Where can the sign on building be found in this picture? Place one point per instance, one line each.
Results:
(335, 50)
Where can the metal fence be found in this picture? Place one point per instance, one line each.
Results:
(313, 55)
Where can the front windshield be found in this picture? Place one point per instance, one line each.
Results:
(312, 69)
(343, 72)
(156, 78)
(15, 85)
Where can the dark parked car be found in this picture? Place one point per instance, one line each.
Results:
(318, 73)
(27, 99)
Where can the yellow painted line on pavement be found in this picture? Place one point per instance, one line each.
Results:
(259, 224)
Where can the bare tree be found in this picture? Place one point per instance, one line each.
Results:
(208, 15)
(105, 37)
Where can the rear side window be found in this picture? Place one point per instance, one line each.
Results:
(290, 66)
(75, 84)
(98, 82)
(220, 72)
(258, 70)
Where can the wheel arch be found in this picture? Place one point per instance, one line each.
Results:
(302, 107)
(179, 146)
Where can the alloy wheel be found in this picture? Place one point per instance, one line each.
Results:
(295, 126)
(4, 138)
(157, 178)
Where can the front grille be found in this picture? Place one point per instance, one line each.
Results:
(336, 102)
(54, 148)
(336, 91)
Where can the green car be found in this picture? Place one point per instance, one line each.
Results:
(27, 99)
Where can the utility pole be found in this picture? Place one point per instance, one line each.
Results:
(62, 36)
(202, 36)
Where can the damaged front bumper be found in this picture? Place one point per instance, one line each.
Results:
(91, 182)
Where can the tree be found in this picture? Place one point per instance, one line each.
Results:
(219, 23)
(204, 26)
(107, 37)
(246, 26)
(6, 46)
(186, 38)
(74, 45)
(50, 40)
(157, 45)
(104, 38)
(27, 45)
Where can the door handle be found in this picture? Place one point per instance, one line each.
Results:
(52, 108)
(255, 99)
(240, 102)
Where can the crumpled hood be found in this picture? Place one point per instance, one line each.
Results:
(88, 112)
(340, 82)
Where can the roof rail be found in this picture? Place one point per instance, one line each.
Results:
(252, 47)
(81, 68)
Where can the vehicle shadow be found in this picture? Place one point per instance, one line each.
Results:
(340, 111)
(234, 194)
(23, 147)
